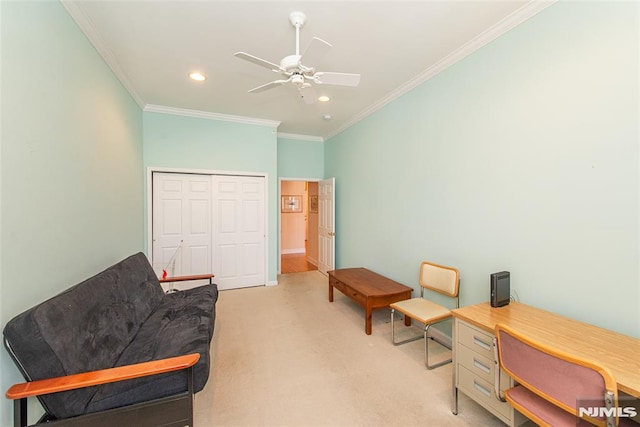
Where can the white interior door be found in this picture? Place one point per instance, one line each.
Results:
(326, 225)
(239, 231)
(181, 224)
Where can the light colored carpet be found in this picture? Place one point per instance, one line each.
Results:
(285, 356)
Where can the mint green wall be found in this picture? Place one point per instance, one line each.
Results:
(71, 166)
(522, 157)
(172, 141)
(300, 159)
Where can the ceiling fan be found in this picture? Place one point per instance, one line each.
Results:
(298, 69)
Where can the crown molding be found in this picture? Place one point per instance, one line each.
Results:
(300, 137)
(86, 26)
(506, 24)
(211, 116)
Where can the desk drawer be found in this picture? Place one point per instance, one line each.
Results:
(475, 339)
(477, 364)
(482, 392)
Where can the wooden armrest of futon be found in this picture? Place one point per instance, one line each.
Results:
(186, 278)
(88, 379)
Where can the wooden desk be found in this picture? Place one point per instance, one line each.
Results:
(368, 289)
(617, 352)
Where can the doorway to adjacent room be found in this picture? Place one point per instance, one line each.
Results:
(298, 226)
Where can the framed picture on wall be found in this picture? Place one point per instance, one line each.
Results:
(291, 204)
(313, 204)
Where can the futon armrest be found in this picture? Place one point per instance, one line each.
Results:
(186, 278)
(88, 379)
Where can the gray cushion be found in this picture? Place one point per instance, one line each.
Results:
(182, 324)
(119, 316)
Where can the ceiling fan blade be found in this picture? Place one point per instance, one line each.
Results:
(315, 51)
(268, 86)
(336, 79)
(308, 94)
(258, 61)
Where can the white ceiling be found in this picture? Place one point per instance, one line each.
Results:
(394, 45)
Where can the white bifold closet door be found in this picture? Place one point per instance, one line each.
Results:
(181, 224)
(210, 224)
(239, 231)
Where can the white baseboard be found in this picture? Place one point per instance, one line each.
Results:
(312, 261)
(292, 251)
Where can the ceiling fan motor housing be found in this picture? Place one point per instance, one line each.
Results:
(290, 63)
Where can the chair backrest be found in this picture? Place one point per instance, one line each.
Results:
(565, 380)
(440, 278)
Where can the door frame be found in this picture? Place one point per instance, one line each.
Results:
(280, 180)
(149, 214)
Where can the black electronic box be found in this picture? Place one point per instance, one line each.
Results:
(500, 288)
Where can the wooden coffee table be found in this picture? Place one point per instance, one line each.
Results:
(369, 290)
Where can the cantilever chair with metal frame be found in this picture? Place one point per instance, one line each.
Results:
(439, 278)
(552, 384)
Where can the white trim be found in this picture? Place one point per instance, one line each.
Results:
(292, 251)
(152, 169)
(150, 213)
(284, 178)
(203, 171)
(300, 137)
(514, 19)
(211, 116)
(86, 26)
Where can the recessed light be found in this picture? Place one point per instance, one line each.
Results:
(197, 75)
(323, 98)
(327, 117)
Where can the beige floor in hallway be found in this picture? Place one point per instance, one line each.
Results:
(285, 356)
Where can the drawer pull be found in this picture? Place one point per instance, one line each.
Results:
(481, 389)
(477, 341)
(478, 364)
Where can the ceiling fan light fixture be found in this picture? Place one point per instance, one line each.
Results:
(197, 76)
(299, 69)
(324, 98)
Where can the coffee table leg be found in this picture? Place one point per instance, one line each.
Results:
(407, 320)
(330, 293)
(367, 323)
